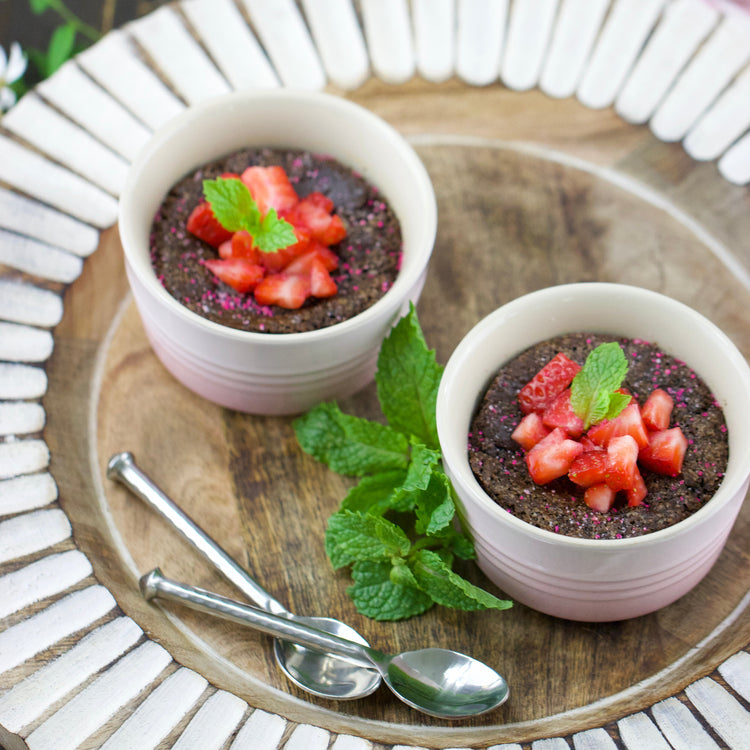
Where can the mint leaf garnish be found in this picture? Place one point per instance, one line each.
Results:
(593, 392)
(395, 528)
(407, 380)
(235, 209)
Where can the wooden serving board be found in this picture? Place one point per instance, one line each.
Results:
(532, 191)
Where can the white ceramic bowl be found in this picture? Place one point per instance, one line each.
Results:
(586, 579)
(274, 373)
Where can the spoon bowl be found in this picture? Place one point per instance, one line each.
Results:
(435, 681)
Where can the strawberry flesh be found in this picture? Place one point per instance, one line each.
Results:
(204, 225)
(270, 187)
(552, 456)
(560, 414)
(665, 452)
(622, 459)
(548, 383)
(657, 410)
(589, 468)
(239, 273)
(599, 497)
(530, 430)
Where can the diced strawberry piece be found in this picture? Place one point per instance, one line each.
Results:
(270, 187)
(529, 431)
(589, 445)
(225, 250)
(239, 273)
(230, 176)
(589, 468)
(315, 251)
(622, 460)
(560, 414)
(280, 259)
(204, 225)
(665, 451)
(548, 383)
(627, 422)
(319, 200)
(311, 214)
(552, 456)
(599, 497)
(321, 283)
(285, 290)
(637, 493)
(657, 410)
(243, 247)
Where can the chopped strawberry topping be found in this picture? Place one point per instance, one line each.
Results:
(529, 431)
(665, 451)
(560, 414)
(286, 290)
(321, 283)
(241, 274)
(552, 456)
(313, 213)
(315, 251)
(599, 497)
(589, 468)
(270, 187)
(622, 459)
(548, 383)
(657, 410)
(637, 493)
(627, 422)
(204, 225)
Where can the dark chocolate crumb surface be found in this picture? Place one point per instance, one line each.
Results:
(369, 256)
(498, 461)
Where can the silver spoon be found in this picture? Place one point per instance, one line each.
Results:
(315, 671)
(436, 681)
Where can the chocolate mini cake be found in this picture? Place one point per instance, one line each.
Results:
(498, 462)
(369, 256)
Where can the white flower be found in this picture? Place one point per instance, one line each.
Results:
(11, 69)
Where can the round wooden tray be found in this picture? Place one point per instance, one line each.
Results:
(532, 192)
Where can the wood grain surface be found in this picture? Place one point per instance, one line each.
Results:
(523, 204)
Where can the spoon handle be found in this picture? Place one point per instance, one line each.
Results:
(156, 585)
(122, 467)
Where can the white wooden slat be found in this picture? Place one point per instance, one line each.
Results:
(726, 715)
(27, 700)
(335, 29)
(284, 35)
(551, 743)
(231, 43)
(178, 55)
(734, 165)
(66, 142)
(213, 723)
(684, 25)
(308, 737)
(511, 746)
(46, 577)
(21, 381)
(715, 64)
(90, 709)
(680, 727)
(388, 33)
(573, 37)
(724, 122)
(435, 38)
(481, 28)
(736, 671)
(27, 217)
(638, 731)
(593, 739)
(19, 457)
(347, 742)
(50, 183)
(115, 64)
(23, 303)
(38, 258)
(20, 417)
(32, 532)
(83, 101)
(262, 731)
(529, 29)
(20, 343)
(625, 31)
(26, 493)
(61, 619)
(158, 715)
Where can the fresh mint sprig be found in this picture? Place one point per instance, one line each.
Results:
(395, 528)
(235, 208)
(593, 392)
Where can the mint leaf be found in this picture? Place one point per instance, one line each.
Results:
(376, 595)
(434, 506)
(353, 536)
(407, 380)
(235, 209)
(422, 464)
(445, 587)
(374, 493)
(593, 390)
(350, 445)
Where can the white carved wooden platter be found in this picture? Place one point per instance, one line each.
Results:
(681, 67)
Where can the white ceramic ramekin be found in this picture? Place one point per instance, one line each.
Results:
(274, 373)
(582, 579)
